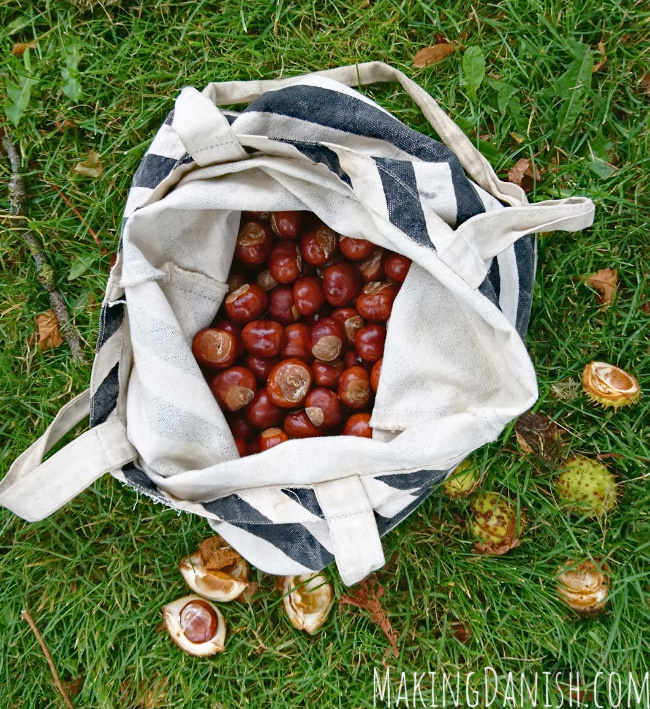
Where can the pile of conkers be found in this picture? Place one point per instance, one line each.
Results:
(297, 347)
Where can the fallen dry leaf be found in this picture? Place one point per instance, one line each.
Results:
(603, 57)
(541, 438)
(524, 174)
(366, 596)
(216, 554)
(67, 123)
(19, 48)
(645, 83)
(91, 166)
(605, 282)
(433, 55)
(517, 137)
(48, 330)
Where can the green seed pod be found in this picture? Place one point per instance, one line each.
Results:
(462, 482)
(494, 524)
(586, 487)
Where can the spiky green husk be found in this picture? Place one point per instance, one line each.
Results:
(494, 524)
(462, 482)
(587, 487)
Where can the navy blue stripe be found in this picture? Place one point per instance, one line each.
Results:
(104, 400)
(525, 256)
(402, 199)
(321, 154)
(385, 524)
(235, 510)
(346, 113)
(306, 497)
(411, 481)
(170, 118)
(491, 286)
(139, 479)
(110, 321)
(153, 170)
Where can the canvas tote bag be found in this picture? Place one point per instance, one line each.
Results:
(455, 368)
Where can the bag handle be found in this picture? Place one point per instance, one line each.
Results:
(33, 489)
(352, 526)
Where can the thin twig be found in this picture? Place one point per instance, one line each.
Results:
(25, 614)
(44, 271)
(78, 214)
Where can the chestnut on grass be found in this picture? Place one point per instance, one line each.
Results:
(354, 387)
(214, 348)
(262, 412)
(341, 284)
(325, 339)
(369, 342)
(234, 388)
(264, 338)
(375, 301)
(285, 262)
(358, 425)
(289, 383)
(246, 303)
(254, 243)
(270, 438)
(195, 625)
(287, 225)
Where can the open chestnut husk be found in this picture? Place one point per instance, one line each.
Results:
(195, 625)
(584, 587)
(308, 600)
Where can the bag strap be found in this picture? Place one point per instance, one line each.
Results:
(352, 526)
(34, 489)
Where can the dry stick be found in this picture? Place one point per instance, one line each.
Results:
(44, 271)
(25, 614)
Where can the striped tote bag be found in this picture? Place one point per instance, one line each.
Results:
(455, 370)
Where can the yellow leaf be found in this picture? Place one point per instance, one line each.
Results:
(48, 330)
(91, 166)
(605, 282)
(432, 55)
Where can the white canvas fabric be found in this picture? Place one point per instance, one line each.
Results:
(455, 368)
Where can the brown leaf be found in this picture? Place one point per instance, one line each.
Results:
(217, 554)
(432, 55)
(91, 166)
(67, 123)
(48, 330)
(603, 57)
(517, 137)
(540, 437)
(645, 83)
(19, 48)
(605, 282)
(524, 174)
(366, 596)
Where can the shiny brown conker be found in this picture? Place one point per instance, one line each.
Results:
(341, 284)
(247, 303)
(298, 425)
(254, 243)
(287, 225)
(375, 301)
(295, 342)
(355, 249)
(234, 388)
(270, 438)
(326, 374)
(214, 348)
(323, 408)
(369, 342)
(198, 621)
(262, 412)
(372, 268)
(285, 262)
(352, 322)
(282, 306)
(261, 366)
(375, 374)
(318, 246)
(263, 338)
(396, 266)
(308, 295)
(289, 383)
(325, 339)
(358, 425)
(354, 387)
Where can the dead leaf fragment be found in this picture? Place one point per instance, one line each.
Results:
(19, 48)
(605, 282)
(540, 437)
(432, 55)
(603, 57)
(517, 137)
(91, 166)
(524, 174)
(367, 597)
(645, 83)
(48, 330)
(217, 554)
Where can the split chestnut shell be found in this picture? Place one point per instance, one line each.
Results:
(194, 617)
(215, 584)
(495, 524)
(308, 600)
(610, 385)
(584, 588)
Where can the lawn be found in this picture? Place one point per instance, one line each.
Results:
(101, 78)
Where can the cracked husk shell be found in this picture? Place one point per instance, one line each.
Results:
(308, 600)
(462, 482)
(494, 523)
(584, 588)
(610, 385)
(215, 584)
(172, 620)
(587, 487)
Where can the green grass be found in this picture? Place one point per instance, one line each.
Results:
(96, 574)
